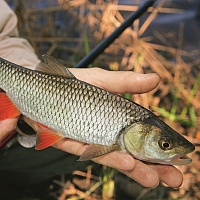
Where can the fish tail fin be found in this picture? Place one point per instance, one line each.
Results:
(7, 108)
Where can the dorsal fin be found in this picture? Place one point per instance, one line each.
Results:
(53, 67)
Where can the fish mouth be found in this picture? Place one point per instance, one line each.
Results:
(181, 160)
(177, 160)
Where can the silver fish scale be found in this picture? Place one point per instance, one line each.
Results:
(74, 108)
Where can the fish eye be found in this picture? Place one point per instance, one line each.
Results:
(165, 143)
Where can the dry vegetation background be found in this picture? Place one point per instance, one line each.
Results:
(69, 29)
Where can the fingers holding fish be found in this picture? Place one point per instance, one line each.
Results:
(117, 160)
(71, 146)
(143, 174)
(149, 175)
(169, 175)
(7, 126)
(121, 81)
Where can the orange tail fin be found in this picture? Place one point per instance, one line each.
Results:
(7, 108)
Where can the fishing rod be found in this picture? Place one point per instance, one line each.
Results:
(88, 59)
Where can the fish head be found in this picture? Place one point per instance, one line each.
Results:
(155, 144)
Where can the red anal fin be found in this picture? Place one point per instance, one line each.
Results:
(46, 137)
(7, 108)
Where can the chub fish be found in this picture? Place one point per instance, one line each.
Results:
(52, 96)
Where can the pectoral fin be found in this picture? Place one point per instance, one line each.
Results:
(46, 137)
(96, 150)
(7, 108)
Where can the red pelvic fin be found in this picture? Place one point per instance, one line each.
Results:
(46, 137)
(7, 108)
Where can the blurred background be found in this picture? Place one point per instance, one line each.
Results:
(165, 40)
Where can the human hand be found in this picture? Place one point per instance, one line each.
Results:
(7, 127)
